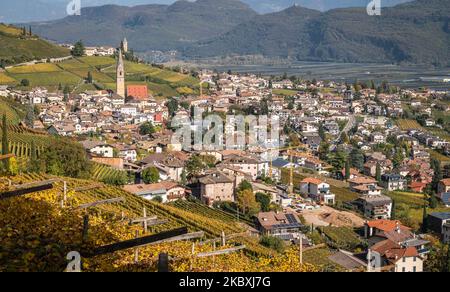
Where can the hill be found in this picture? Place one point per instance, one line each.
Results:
(51, 231)
(16, 48)
(161, 82)
(416, 32)
(148, 27)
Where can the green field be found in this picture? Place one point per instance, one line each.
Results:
(285, 92)
(51, 79)
(162, 83)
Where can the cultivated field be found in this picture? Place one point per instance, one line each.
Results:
(405, 125)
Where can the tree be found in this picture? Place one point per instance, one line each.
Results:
(378, 172)
(150, 175)
(29, 118)
(264, 201)
(65, 158)
(244, 185)
(89, 78)
(25, 82)
(158, 199)
(424, 227)
(78, 49)
(195, 166)
(5, 145)
(34, 165)
(66, 92)
(147, 128)
(357, 158)
(13, 167)
(172, 105)
(184, 177)
(393, 213)
(347, 169)
(247, 202)
(448, 259)
(438, 176)
(274, 243)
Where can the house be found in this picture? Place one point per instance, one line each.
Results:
(98, 148)
(444, 186)
(170, 165)
(248, 165)
(168, 191)
(397, 258)
(375, 206)
(318, 190)
(437, 220)
(365, 186)
(393, 182)
(284, 225)
(377, 231)
(216, 186)
(446, 233)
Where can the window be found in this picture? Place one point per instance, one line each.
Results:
(404, 260)
(403, 269)
(414, 269)
(414, 259)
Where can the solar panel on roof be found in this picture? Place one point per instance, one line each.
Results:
(291, 219)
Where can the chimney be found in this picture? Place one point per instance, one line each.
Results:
(397, 228)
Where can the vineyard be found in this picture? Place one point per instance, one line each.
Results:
(406, 125)
(109, 175)
(342, 237)
(199, 208)
(39, 229)
(21, 140)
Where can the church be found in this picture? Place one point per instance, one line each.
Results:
(134, 92)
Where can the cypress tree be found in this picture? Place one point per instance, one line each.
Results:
(378, 173)
(347, 169)
(448, 258)
(5, 149)
(425, 220)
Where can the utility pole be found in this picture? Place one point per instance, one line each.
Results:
(301, 249)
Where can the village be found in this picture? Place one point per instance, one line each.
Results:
(345, 153)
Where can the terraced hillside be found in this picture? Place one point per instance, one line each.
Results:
(16, 48)
(52, 229)
(74, 72)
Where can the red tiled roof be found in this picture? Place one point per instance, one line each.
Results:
(137, 92)
(312, 180)
(446, 181)
(385, 225)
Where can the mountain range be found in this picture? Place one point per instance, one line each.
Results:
(414, 32)
(43, 10)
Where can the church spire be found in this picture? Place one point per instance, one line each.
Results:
(120, 81)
